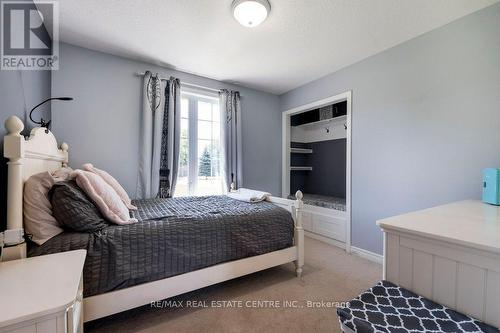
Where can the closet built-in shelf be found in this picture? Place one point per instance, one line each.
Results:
(323, 122)
(301, 168)
(301, 150)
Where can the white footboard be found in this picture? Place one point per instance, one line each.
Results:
(120, 300)
(295, 207)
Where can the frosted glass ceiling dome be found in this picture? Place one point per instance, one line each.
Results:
(251, 13)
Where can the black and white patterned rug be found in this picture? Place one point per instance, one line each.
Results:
(389, 308)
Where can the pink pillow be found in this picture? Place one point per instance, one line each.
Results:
(38, 219)
(110, 180)
(104, 196)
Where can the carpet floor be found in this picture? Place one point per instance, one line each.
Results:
(287, 304)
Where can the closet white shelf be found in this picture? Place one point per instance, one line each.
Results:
(301, 150)
(323, 122)
(301, 168)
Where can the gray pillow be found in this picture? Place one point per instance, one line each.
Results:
(73, 209)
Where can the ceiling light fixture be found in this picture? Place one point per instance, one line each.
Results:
(251, 13)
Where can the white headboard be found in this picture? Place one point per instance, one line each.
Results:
(27, 157)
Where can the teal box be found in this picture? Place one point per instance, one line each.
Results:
(491, 186)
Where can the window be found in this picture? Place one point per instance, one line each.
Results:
(200, 148)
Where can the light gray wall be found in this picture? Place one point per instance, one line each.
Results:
(102, 124)
(19, 92)
(425, 120)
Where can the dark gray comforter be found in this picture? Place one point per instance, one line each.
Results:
(174, 236)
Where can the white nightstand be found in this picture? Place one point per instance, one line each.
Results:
(42, 294)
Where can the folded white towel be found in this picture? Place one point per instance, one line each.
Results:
(247, 195)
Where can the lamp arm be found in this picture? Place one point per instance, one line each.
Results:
(42, 122)
(36, 106)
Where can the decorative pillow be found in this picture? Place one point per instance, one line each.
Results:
(73, 209)
(112, 182)
(104, 196)
(38, 219)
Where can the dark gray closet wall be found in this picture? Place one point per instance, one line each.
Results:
(328, 162)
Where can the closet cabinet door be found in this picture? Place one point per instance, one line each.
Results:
(307, 221)
(329, 226)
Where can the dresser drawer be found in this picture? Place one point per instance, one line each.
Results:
(25, 329)
(52, 324)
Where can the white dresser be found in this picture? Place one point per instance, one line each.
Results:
(449, 254)
(42, 294)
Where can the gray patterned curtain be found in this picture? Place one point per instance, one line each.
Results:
(231, 136)
(150, 138)
(170, 140)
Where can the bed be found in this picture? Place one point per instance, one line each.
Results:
(174, 236)
(178, 245)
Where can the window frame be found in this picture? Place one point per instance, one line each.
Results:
(193, 97)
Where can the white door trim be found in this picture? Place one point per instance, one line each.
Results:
(285, 150)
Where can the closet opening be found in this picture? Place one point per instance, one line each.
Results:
(316, 160)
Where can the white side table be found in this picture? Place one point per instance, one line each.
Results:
(42, 294)
(449, 254)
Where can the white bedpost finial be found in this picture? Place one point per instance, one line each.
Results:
(299, 233)
(14, 125)
(299, 195)
(64, 148)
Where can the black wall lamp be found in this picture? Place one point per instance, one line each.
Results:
(42, 122)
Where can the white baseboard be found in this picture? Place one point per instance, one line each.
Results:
(375, 257)
(325, 239)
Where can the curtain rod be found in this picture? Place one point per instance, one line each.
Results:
(184, 83)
